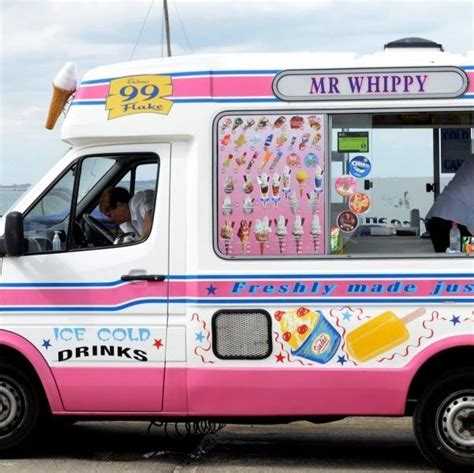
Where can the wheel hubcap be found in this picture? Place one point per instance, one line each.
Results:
(11, 406)
(456, 426)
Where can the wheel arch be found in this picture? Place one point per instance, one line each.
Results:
(22, 353)
(442, 361)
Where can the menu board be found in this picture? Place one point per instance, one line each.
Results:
(270, 185)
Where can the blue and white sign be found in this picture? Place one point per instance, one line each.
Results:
(360, 166)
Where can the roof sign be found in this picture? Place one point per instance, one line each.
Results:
(370, 84)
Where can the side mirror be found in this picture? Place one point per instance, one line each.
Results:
(14, 240)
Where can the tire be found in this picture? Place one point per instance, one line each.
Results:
(19, 408)
(443, 421)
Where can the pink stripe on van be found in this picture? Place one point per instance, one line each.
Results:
(470, 76)
(92, 92)
(240, 86)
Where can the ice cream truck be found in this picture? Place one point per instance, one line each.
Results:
(288, 274)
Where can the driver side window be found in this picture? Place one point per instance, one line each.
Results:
(68, 215)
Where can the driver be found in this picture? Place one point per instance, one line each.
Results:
(136, 212)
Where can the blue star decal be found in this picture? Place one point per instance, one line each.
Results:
(455, 319)
(200, 337)
(346, 315)
(46, 344)
(342, 360)
(211, 290)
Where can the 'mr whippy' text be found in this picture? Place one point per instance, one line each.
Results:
(368, 84)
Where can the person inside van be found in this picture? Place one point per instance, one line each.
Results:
(454, 204)
(134, 213)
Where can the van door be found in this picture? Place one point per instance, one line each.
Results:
(92, 295)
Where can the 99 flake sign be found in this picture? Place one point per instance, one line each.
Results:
(139, 94)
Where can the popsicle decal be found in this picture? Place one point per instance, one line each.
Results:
(379, 335)
(270, 185)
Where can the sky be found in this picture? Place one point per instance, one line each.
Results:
(39, 36)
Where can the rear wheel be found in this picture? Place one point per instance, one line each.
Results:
(19, 407)
(444, 421)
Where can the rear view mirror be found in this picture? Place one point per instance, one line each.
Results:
(14, 242)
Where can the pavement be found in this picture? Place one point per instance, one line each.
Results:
(349, 445)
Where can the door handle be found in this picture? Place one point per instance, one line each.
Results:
(143, 277)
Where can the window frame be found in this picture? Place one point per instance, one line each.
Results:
(134, 159)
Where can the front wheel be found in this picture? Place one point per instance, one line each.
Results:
(19, 408)
(444, 421)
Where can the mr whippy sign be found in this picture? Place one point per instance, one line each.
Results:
(370, 84)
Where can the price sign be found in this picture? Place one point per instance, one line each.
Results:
(139, 94)
(353, 142)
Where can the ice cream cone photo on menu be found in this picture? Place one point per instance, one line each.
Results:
(262, 232)
(316, 233)
(301, 177)
(227, 232)
(64, 85)
(281, 232)
(244, 234)
(297, 233)
(313, 202)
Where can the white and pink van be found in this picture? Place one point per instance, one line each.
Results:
(288, 273)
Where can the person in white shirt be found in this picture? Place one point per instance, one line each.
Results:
(454, 204)
(135, 211)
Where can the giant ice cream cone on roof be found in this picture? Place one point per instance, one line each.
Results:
(64, 85)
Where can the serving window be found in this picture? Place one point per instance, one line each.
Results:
(270, 185)
(386, 172)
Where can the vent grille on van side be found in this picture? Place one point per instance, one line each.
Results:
(243, 335)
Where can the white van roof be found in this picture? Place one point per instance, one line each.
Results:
(203, 85)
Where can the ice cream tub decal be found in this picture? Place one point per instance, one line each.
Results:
(345, 185)
(309, 334)
(347, 221)
(359, 203)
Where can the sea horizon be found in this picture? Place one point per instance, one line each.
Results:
(8, 196)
